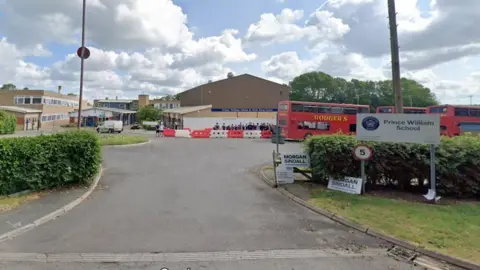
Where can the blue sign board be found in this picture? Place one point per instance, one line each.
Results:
(243, 110)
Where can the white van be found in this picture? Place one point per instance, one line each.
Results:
(110, 126)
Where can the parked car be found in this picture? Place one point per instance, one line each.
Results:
(110, 127)
(135, 126)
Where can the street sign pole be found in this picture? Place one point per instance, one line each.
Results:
(277, 131)
(82, 62)
(362, 174)
(363, 152)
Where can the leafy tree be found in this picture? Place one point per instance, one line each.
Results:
(8, 87)
(149, 113)
(71, 94)
(230, 75)
(321, 87)
(25, 88)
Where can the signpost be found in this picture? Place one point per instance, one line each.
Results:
(403, 128)
(288, 161)
(363, 152)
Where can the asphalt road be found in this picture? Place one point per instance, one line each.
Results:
(183, 195)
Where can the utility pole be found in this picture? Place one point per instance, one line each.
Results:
(411, 101)
(471, 96)
(82, 65)
(392, 17)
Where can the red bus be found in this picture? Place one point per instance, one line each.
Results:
(457, 119)
(409, 110)
(300, 120)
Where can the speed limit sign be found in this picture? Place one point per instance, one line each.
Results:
(363, 152)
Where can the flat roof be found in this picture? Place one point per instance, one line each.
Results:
(19, 109)
(109, 110)
(184, 110)
(114, 100)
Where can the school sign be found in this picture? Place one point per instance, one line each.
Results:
(402, 128)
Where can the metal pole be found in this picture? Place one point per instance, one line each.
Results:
(392, 16)
(433, 178)
(82, 62)
(277, 135)
(362, 174)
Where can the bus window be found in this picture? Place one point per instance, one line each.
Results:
(461, 111)
(350, 110)
(385, 110)
(314, 125)
(323, 110)
(363, 110)
(297, 107)
(438, 110)
(337, 110)
(282, 122)
(443, 127)
(283, 107)
(353, 128)
(310, 109)
(475, 112)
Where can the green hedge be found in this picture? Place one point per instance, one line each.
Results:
(44, 162)
(8, 123)
(398, 166)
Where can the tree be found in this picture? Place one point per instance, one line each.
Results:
(149, 113)
(25, 88)
(321, 87)
(230, 75)
(71, 94)
(8, 87)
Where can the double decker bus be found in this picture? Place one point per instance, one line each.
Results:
(457, 119)
(408, 110)
(300, 120)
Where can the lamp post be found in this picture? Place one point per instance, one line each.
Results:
(82, 62)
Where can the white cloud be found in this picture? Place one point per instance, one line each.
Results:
(149, 46)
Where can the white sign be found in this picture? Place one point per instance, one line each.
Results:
(362, 152)
(284, 175)
(407, 128)
(348, 185)
(297, 160)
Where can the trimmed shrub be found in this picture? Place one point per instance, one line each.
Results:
(401, 166)
(8, 123)
(45, 162)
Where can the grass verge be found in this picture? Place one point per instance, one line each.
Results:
(10, 203)
(450, 229)
(120, 139)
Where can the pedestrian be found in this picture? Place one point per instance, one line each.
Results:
(161, 129)
(157, 130)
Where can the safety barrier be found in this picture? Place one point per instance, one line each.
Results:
(169, 132)
(182, 133)
(266, 134)
(216, 134)
(235, 134)
(252, 134)
(200, 134)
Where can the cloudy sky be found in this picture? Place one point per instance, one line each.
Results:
(164, 46)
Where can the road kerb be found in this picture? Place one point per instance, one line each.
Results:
(127, 145)
(53, 215)
(395, 241)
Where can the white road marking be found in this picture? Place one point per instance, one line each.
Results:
(186, 257)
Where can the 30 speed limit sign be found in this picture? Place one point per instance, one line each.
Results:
(363, 152)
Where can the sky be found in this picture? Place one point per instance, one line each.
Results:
(161, 47)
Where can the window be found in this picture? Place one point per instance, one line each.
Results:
(385, 110)
(36, 100)
(282, 122)
(324, 109)
(310, 108)
(461, 112)
(443, 127)
(349, 110)
(414, 111)
(337, 110)
(283, 107)
(438, 110)
(314, 125)
(297, 108)
(475, 112)
(353, 128)
(363, 110)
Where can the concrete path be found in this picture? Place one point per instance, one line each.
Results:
(184, 196)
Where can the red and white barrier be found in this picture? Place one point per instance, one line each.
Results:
(217, 134)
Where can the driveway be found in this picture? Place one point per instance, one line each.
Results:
(196, 196)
